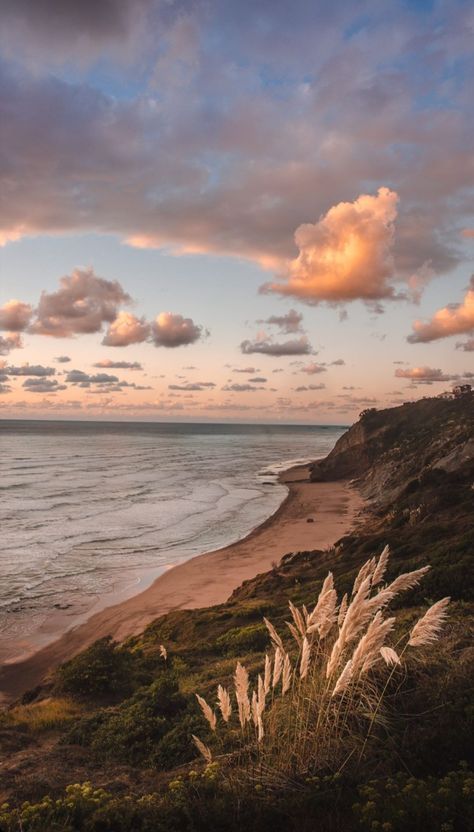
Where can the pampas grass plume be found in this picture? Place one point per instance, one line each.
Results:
(208, 712)
(427, 629)
(203, 749)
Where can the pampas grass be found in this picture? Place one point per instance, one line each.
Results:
(334, 677)
(427, 629)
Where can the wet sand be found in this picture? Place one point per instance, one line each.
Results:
(209, 578)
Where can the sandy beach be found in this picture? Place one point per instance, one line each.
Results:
(209, 578)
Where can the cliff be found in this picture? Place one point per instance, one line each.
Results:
(386, 449)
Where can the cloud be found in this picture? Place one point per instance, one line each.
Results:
(258, 380)
(39, 31)
(126, 329)
(81, 378)
(170, 330)
(288, 323)
(31, 370)
(339, 362)
(454, 319)
(266, 346)
(11, 341)
(346, 255)
(241, 388)
(157, 167)
(249, 370)
(43, 385)
(424, 374)
(108, 363)
(63, 359)
(313, 369)
(467, 346)
(193, 386)
(82, 304)
(15, 315)
(303, 388)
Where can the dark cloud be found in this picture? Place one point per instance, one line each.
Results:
(241, 388)
(109, 364)
(170, 330)
(193, 386)
(81, 378)
(258, 380)
(62, 359)
(466, 346)
(43, 385)
(304, 388)
(11, 341)
(248, 370)
(82, 304)
(15, 315)
(61, 30)
(31, 370)
(266, 346)
(288, 323)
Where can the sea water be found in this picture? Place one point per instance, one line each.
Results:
(92, 512)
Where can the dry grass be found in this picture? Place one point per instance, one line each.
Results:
(317, 703)
(49, 714)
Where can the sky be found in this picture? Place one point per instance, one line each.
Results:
(220, 211)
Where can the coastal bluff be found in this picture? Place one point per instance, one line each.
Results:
(385, 451)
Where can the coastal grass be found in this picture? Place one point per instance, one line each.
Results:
(46, 715)
(320, 702)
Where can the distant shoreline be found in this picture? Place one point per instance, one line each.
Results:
(208, 578)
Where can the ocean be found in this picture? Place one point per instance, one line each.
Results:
(92, 512)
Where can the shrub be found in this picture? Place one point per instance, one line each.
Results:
(406, 804)
(104, 670)
(242, 639)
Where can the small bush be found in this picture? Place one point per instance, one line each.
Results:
(103, 671)
(242, 640)
(406, 804)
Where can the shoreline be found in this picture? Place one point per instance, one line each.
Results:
(311, 516)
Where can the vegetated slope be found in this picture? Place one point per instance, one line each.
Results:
(138, 711)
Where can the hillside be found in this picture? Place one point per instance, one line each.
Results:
(122, 717)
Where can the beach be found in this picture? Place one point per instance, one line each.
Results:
(312, 516)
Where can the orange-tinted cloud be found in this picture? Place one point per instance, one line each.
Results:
(15, 315)
(425, 374)
(346, 255)
(313, 369)
(126, 329)
(454, 319)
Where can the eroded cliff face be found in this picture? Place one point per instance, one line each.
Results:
(386, 449)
